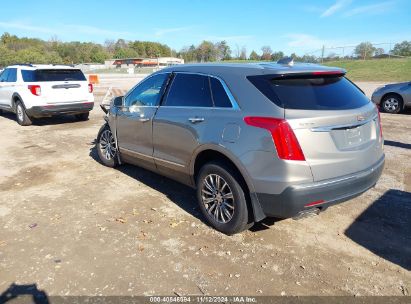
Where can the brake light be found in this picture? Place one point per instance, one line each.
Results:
(336, 73)
(35, 89)
(379, 121)
(285, 142)
(90, 88)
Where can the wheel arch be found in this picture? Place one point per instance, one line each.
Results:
(208, 153)
(396, 94)
(16, 97)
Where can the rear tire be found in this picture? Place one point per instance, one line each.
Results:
(106, 147)
(392, 103)
(222, 199)
(21, 116)
(82, 116)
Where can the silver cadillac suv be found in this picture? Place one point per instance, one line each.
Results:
(256, 141)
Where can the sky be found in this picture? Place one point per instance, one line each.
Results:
(298, 26)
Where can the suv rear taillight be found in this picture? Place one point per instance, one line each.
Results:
(286, 143)
(35, 89)
(90, 88)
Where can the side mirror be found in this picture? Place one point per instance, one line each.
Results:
(118, 101)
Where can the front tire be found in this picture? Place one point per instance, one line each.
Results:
(221, 198)
(82, 116)
(107, 147)
(392, 103)
(21, 116)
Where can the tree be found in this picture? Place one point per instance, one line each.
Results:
(243, 53)
(109, 45)
(223, 50)
(402, 49)
(277, 56)
(125, 53)
(206, 52)
(237, 51)
(379, 52)
(254, 56)
(364, 50)
(267, 51)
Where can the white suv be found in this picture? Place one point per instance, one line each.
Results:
(34, 91)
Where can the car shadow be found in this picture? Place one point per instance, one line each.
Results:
(384, 228)
(264, 224)
(24, 292)
(183, 196)
(46, 121)
(397, 144)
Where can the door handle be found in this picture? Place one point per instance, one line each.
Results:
(142, 119)
(196, 119)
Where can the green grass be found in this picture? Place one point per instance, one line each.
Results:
(385, 70)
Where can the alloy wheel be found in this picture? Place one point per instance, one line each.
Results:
(20, 113)
(218, 199)
(108, 146)
(391, 104)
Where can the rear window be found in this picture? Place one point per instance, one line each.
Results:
(52, 75)
(311, 93)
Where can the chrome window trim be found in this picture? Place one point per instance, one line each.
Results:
(234, 104)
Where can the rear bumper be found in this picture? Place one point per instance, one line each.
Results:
(50, 110)
(295, 199)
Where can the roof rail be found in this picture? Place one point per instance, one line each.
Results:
(24, 64)
(69, 65)
(286, 60)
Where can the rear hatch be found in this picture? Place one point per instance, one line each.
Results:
(336, 125)
(59, 85)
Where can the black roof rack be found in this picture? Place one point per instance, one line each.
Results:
(24, 64)
(69, 65)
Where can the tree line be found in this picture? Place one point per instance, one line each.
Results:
(32, 50)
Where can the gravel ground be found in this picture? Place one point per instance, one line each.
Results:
(75, 227)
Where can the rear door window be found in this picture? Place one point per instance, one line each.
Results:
(220, 97)
(12, 75)
(52, 75)
(189, 90)
(311, 93)
(4, 75)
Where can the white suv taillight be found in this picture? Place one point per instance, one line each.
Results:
(35, 89)
(285, 141)
(90, 88)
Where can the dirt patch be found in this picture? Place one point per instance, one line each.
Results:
(27, 178)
